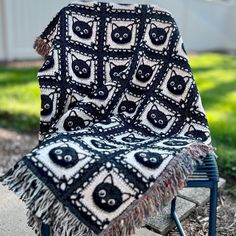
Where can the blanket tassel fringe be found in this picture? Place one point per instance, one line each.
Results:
(44, 207)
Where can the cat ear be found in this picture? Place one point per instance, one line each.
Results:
(112, 65)
(125, 197)
(153, 26)
(191, 128)
(130, 26)
(81, 155)
(173, 73)
(51, 96)
(154, 107)
(164, 155)
(73, 57)
(90, 23)
(167, 29)
(114, 26)
(109, 87)
(73, 113)
(108, 179)
(89, 61)
(87, 122)
(169, 117)
(74, 19)
(186, 78)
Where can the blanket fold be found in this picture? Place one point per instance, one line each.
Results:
(122, 125)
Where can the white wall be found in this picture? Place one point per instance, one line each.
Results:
(204, 25)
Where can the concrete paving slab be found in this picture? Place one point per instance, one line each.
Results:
(200, 196)
(163, 223)
(13, 221)
(13, 214)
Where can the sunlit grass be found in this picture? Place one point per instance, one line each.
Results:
(215, 75)
(19, 99)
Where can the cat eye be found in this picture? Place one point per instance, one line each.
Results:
(153, 115)
(77, 28)
(102, 193)
(142, 154)
(116, 74)
(180, 86)
(139, 72)
(111, 202)
(117, 35)
(172, 83)
(147, 74)
(84, 70)
(153, 160)
(101, 93)
(58, 151)
(161, 37)
(77, 67)
(123, 108)
(70, 123)
(47, 106)
(153, 35)
(160, 122)
(68, 158)
(125, 35)
(47, 62)
(85, 31)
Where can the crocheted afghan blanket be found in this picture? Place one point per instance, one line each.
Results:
(122, 124)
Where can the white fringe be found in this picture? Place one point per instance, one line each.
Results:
(42, 205)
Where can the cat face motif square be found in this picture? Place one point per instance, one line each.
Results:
(48, 63)
(149, 159)
(47, 104)
(81, 68)
(82, 28)
(74, 122)
(117, 72)
(127, 105)
(145, 72)
(100, 91)
(198, 134)
(121, 34)
(158, 118)
(65, 156)
(177, 83)
(158, 35)
(107, 196)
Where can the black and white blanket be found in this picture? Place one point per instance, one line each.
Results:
(122, 123)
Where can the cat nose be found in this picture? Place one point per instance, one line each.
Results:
(121, 38)
(103, 201)
(59, 157)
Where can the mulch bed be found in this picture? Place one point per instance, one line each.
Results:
(13, 146)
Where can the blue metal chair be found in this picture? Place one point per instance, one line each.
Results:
(206, 175)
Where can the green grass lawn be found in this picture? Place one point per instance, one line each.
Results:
(216, 79)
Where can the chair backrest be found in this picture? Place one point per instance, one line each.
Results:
(103, 59)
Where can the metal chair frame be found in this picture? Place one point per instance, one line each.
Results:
(206, 175)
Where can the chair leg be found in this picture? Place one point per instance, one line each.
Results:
(45, 230)
(213, 209)
(175, 217)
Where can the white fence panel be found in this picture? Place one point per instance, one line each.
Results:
(204, 25)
